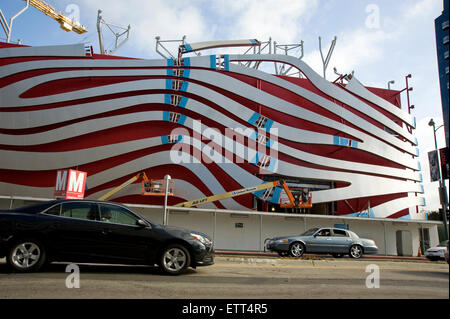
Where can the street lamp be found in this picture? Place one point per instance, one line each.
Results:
(166, 180)
(389, 84)
(442, 188)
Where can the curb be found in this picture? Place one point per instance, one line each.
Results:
(312, 256)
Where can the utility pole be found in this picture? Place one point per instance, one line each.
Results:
(442, 188)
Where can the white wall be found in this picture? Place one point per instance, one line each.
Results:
(222, 228)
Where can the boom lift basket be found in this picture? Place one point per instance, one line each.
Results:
(296, 198)
(157, 187)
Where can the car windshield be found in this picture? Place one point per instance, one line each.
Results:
(310, 232)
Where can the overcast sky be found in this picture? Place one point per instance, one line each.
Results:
(380, 40)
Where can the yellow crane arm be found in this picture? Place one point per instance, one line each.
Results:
(123, 185)
(242, 191)
(66, 23)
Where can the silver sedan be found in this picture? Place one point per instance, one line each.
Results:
(338, 242)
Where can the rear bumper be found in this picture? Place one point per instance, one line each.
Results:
(434, 255)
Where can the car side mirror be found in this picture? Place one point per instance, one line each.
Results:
(142, 223)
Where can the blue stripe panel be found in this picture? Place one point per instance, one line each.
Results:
(253, 118)
(167, 98)
(187, 47)
(419, 167)
(344, 141)
(414, 122)
(416, 142)
(420, 178)
(227, 62)
(336, 140)
(184, 86)
(276, 195)
(353, 215)
(417, 152)
(422, 190)
(166, 114)
(424, 202)
(168, 84)
(406, 217)
(268, 125)
(358, 214)
(273, 166)
(165, 139)
(255, 159)
(254, 41)
(354, 144)
(170, 63)
(269, 143)
(183, 101)
(253, 136)
(182, 119)
(187, 61)
(180, 139)
(212, 61)
(186, 73)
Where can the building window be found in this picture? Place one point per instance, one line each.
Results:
(172, 138)
(174, 117)
(262, 139)
(261, 121)
(264, 162)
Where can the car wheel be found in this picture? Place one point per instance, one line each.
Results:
(356, 251)
(174, 259)
(296, 249)
(27, 255)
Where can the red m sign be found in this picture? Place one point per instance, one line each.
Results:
(70, 184)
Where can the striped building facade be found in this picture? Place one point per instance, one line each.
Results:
(211, 123)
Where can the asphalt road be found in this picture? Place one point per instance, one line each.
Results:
(238, 278)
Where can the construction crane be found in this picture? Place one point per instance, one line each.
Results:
(158, 188)
(149, 186)
(302, 200)
(242, 191)
(295, 201)
(66, 23)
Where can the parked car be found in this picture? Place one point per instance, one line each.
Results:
(96, 232)
(338, 242)
(437, 252)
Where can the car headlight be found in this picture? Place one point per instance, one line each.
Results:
(281, 241)
(202, 239)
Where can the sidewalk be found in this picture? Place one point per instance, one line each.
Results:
(220, 252)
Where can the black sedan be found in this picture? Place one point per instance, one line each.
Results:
(96, 232)
(337, 242)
